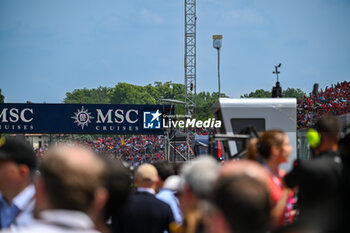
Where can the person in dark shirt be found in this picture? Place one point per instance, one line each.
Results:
(143, 212)
(318, 180)
(344, 150)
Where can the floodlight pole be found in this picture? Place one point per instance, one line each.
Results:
(217, 43)
(219, 71)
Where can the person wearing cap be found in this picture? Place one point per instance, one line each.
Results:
(143, 212)
(17, 168)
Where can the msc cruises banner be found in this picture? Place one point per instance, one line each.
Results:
(82, 118)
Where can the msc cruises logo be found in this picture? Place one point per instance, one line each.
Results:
(82, 117)
(151, 120)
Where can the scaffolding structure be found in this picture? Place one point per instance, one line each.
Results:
(179, 136)
(190, 69)
(190, 57)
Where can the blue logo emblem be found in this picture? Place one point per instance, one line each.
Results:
(151, 120)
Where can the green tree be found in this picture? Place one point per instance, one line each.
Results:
(98, 95)
(288, 93)
(167, 90)
(293, 93)
(205, 102)
(2, 98)
(124, 93)
(174, 91)
(259, 93)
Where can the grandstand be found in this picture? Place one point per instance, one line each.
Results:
(334, 99)
(138, 149)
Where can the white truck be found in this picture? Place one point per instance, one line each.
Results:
(261, 113)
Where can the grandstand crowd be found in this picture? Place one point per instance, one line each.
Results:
(334, 99)
(135, 149)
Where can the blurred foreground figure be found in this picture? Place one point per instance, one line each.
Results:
(198, 178)
(69, 192)
(241, 198)
(318, 180)
(344, 149)
(272, 149)
(167, 185)
(119, 188)
(143, 212)
(17, 170)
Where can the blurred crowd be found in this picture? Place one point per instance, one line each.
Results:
(135, 149)
(73, 189)
(334, 99)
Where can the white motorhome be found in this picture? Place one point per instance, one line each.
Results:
(261, 113)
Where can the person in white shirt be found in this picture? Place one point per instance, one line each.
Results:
(17, 169)
(70, 191)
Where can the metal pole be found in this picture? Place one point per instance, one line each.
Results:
(219, 71)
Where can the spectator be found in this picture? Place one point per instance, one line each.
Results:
(165, 170)
(17, 169)
(198, 179)
(244, 202)
(273, 149)
(333, 100)
(241, 197)
(119, 187)
(344, 150)
(144, 212)
(318, 180)
(69, 191)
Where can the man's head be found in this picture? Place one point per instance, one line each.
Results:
(72, 178)
(164, 169)
(146, 176)
(245, 167)
(242, 198)
(328, 128)
(244, 201)
(198, 178)
(118, 185)
(17, 166)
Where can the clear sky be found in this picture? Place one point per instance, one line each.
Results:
(50, 47)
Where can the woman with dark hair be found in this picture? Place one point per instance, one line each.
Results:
(272, 149)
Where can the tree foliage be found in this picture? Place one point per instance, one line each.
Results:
(205, 102)
(260, 93)
(291, 92)
(2, 98)
(98, 95)
(125, 93)
(288, 93)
